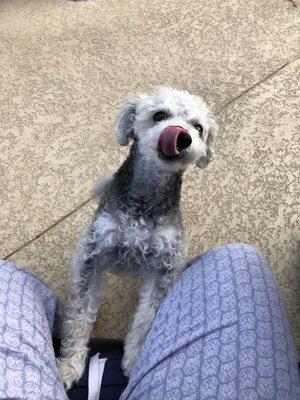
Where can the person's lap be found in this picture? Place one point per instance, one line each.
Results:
(222, 332)
(27, 363)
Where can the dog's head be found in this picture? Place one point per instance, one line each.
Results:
(172, 128)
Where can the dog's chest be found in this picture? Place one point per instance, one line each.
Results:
(135, 238)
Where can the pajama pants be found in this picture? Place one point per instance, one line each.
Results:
(222, 332)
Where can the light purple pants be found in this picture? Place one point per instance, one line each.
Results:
(221, 333)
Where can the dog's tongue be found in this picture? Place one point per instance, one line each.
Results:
(167, 142)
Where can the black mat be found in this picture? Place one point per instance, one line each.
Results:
(113, 382)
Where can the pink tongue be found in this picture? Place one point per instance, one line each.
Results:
(167, 143)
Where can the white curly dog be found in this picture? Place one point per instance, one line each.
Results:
(137, 227)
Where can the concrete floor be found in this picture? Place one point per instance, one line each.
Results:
(68, 66)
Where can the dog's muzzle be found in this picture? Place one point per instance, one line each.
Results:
(173, 140)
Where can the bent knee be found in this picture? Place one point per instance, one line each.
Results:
(17, 277)
(8, 268)
(245, 264)
(236, 281)
(236, 264)
(238, 250)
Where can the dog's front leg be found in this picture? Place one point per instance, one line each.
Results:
(78, 318)
(152, 291)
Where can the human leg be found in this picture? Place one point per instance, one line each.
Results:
(222, 332)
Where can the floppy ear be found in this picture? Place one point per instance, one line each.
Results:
(202, 162)
(125, 123)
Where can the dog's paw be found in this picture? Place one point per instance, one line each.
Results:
(71, 369)
(127, 365)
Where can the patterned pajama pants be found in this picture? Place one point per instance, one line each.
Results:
(222, 332)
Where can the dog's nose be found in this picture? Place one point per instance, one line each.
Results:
(173, 139)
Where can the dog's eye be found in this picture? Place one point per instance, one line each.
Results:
(160, 116)
(199, 129)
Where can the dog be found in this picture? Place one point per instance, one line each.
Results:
(137, 227)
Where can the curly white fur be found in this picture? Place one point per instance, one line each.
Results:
(138, 239)
(137, 227)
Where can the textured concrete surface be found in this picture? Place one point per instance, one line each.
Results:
(68, 66)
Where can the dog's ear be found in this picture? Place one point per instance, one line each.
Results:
(125, 123)
(202, 162)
